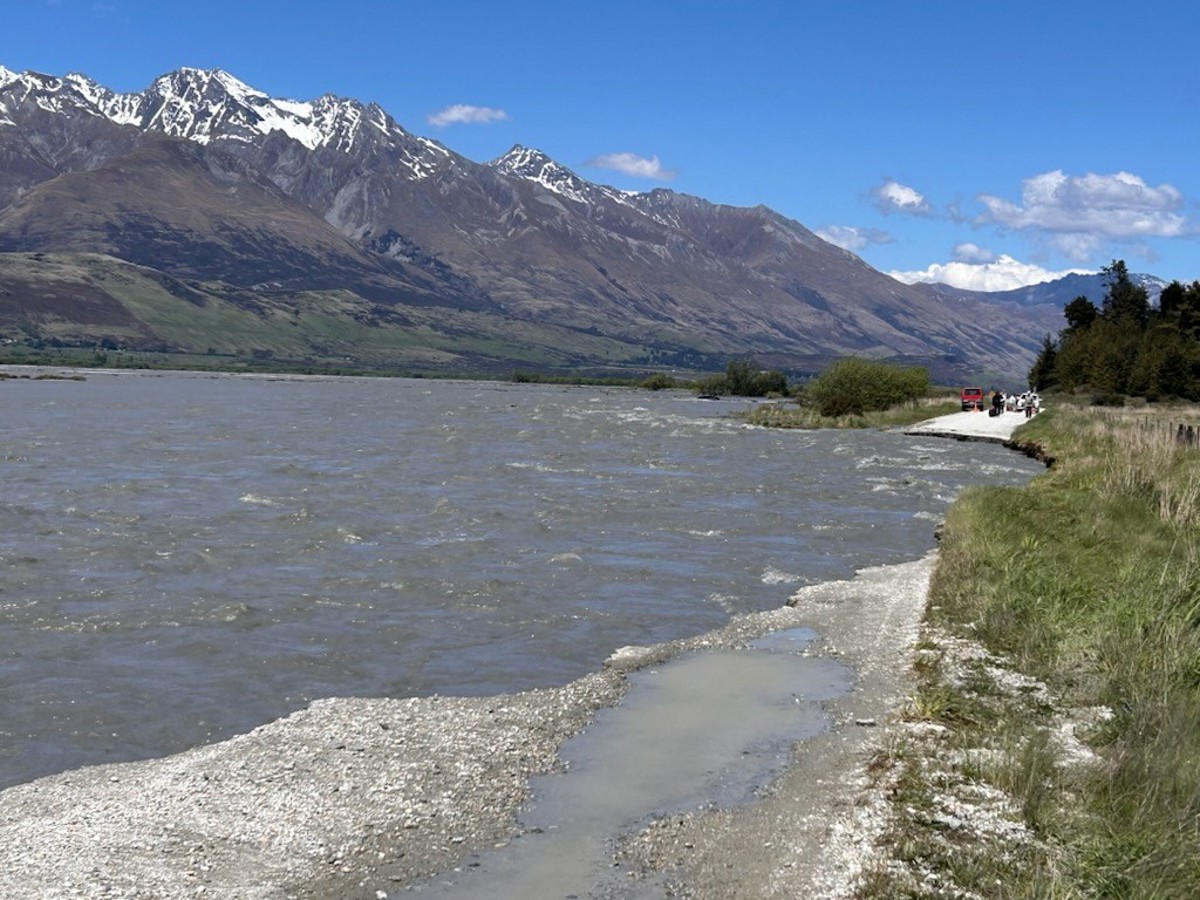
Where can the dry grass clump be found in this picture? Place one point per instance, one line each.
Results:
(1143, 460)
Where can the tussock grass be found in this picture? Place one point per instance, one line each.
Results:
(1083, 592)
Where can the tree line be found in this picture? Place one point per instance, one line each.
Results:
(1126, 346)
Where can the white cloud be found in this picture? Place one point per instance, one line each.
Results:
(463, 114)
(967, 252)
(1077, 247)
(853, 239)
(632, 164)
(892, 196)
(1090, 207)
(1003, 273)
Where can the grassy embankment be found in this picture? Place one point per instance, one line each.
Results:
(1067, 608)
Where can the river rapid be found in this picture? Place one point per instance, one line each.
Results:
(185, 556)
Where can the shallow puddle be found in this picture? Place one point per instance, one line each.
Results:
(710, 728)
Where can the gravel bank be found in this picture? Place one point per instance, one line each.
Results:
(345, 792)
(815, 829)
(360, 798)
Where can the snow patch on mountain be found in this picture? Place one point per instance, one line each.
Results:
(534, 165)
(206, 105)
(203, 105)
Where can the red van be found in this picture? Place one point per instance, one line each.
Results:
(972, 398)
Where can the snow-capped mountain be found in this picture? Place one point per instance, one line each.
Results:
(288, 195)
(206, 106)
(536, 166)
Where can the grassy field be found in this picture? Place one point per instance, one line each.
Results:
(1053, 746)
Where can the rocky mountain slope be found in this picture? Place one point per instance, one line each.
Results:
(412, 255)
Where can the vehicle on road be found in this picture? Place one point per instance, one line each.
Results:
(972, 398)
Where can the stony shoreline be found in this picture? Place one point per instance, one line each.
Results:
(363, 797)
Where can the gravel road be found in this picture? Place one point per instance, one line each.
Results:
(975, 425)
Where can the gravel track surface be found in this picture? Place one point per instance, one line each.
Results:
(967, 426)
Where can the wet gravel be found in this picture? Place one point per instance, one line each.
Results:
(336, 800)
(367, 798)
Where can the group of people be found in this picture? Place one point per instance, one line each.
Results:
(1028, 402)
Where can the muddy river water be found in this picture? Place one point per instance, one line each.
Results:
(186, 556)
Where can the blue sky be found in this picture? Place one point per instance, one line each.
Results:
(986, 144)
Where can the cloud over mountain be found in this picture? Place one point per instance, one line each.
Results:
(464, 114)
(632, 164)
(978, 270)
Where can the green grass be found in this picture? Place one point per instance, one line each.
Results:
(1087, 580)
(794, 415)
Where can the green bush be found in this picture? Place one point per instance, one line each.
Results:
(659, 381)
(853, 386)
(743, 378)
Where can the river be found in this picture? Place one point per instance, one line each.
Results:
(184, 556)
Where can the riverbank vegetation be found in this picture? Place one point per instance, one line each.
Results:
(1051, 747)
(743, 378)
(803, 415)
(858, 393)
(1126, 346)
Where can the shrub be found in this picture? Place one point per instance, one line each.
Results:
(841, 404)
(743, 378)
(855, 386)
(659, 381)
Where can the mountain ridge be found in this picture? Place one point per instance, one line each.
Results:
(330, 194)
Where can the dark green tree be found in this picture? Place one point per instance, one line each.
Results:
(743, 378)
(1080, 313)
(1124, 302)
(1071, 360)
(1170, 301)
(1166, 365)
(1043, 377)
(1113, 347)
(1127, 347)
(1179, 305)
